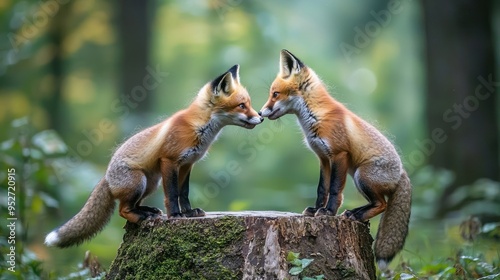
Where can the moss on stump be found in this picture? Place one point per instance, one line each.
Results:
(244, 245)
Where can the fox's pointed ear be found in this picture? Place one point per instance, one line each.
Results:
(225, 83)
(289, 64)
(235, 73)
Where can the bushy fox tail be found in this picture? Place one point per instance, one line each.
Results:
(393, 226)
(94, 215)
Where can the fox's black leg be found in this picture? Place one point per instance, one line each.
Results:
(336, 187)
(321, 194)
(184, 195)
(331, 207)
(310, 211)
(173, 195)
(184, 203)
(170, 187)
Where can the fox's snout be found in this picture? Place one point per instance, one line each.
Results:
(256, 116)
(252, 120)
(272, 112)
(255, 119)
(266, 110)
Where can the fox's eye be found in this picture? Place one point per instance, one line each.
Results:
(242, 106)
(275, 94)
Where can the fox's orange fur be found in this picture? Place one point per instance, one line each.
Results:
(164, 151)
(345, 144)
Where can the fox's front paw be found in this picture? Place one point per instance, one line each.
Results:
(309, 211)
(196, 212)
(176, 216)
(324, 212)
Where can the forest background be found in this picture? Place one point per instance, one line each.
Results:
(78, 77)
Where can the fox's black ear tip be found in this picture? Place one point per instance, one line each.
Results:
(234, 71)
(287, 54)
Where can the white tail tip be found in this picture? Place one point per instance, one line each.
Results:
(52, 239)
(382, 265)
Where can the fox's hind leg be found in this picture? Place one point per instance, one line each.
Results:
(151, 185)
(373, 190)
(131, 194)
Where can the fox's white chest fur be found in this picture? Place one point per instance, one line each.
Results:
(206, 135)
(309, 122)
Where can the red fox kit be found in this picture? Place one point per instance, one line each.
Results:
(344, 144)
(164, 151)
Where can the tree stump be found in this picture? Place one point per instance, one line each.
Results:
(244, 245)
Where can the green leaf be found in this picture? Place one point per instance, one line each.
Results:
(434, 268)
(292, 256)
(50, 142)
(449, 271)
(49, 200)
(296, 270)
(297, 262)
(491, 227)
(469, 259)
(36, 204)
(20, 122)
(406, 276)
(492, 277)
(306, 262)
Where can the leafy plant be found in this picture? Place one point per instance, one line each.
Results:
(464, 265)
(27, 160)
(25, 165)
(298, 266)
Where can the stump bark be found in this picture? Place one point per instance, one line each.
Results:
(244, 245)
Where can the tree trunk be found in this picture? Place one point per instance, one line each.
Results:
(56, 36)
(461, 96)
(135, 30)
(244, 245)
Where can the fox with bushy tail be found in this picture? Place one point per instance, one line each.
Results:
(345, 144)
(164, 151)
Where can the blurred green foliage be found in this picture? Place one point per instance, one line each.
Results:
(25, 163)
(269, 168)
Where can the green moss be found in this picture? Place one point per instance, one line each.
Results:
(181, 249)
(349, 272)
